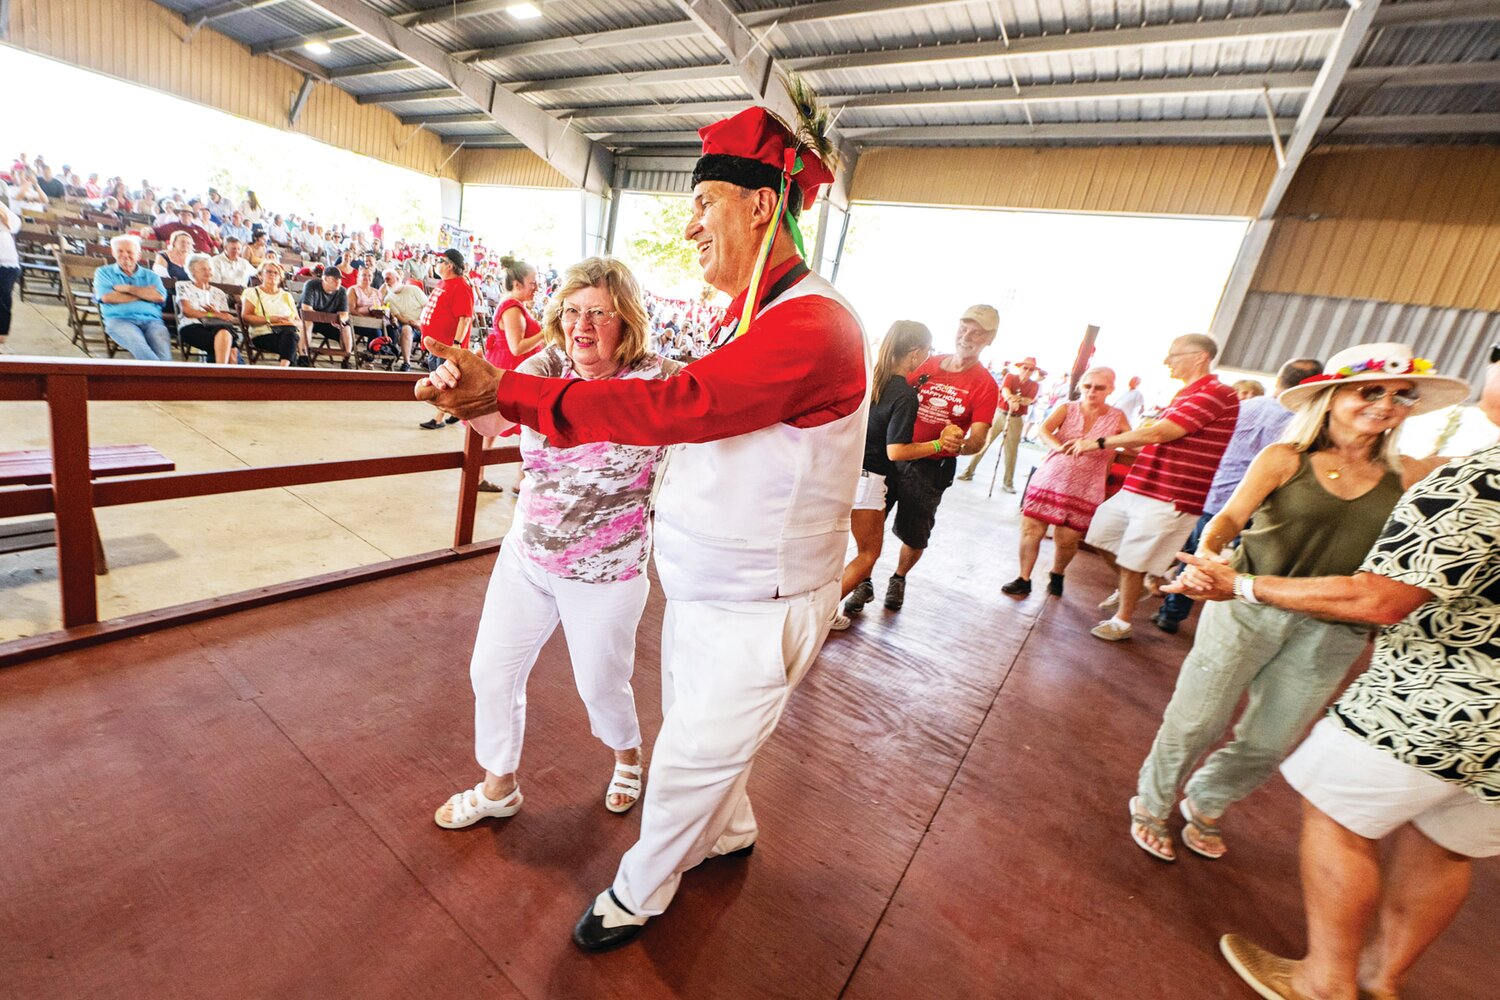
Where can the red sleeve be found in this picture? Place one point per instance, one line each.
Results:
(803, 363)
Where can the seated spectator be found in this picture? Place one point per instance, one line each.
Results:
(404, 302)
(167, 216)
(130, 303)
(348, 270)
(271, 316)
(235, 228)
(218, 206)
(207, 224)
(277, 231)
(51, 185)
(145, 203)
(308, 240)
(74, 184)
(203, 317)
(26, 195)
(172, 262)
(252, 209)
(372, 267)
(364, 297)
(258, 251)
(185, 223)
(327, 296)
(231, 267)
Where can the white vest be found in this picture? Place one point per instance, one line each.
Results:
(765, 514)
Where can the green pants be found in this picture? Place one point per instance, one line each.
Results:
(1289, 663)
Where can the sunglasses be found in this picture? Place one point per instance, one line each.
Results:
(1377, 393)
(1090, 387)
(1495, 354)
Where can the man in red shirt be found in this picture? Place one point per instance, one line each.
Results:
(956, 400)
(1018, 391)
(752, 517)
(448, 315)
(1140, 528)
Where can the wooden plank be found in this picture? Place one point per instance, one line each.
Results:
(73, 496)
(20, 468)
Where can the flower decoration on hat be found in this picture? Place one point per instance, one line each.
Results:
(1384, 366)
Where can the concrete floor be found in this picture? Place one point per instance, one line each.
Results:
(176, 551)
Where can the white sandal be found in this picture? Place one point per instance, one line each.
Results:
(465, 813)
(630, 786)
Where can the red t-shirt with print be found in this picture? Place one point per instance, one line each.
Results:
(451, 301)
(943, 397)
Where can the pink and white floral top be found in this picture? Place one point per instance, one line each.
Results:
(584, 512)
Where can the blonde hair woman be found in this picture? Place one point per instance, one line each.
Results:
(575, 553)
(1319, 500)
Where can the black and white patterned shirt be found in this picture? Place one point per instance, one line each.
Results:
(1432, 694)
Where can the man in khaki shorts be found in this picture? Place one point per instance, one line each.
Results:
(1411, 749)
(1140, 528)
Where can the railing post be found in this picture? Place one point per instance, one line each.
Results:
(73, 497)
(468, 486)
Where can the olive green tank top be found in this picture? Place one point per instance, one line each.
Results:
(1303, 530)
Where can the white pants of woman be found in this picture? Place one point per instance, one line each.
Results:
(727, 670)
(521, 609)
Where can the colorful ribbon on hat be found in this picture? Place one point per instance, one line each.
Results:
(1387, 366)
(791, 165)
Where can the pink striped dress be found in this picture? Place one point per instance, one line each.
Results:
(1066, 490)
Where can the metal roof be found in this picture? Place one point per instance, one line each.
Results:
(648, 73)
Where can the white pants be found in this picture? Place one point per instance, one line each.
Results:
(521, 609)
(726, 672)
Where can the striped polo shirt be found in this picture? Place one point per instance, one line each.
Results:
(1180, 472)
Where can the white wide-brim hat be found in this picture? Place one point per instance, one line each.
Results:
(1376, 363)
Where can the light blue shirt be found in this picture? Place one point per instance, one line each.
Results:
(136, 310)
(1262, 419)
(241, 233)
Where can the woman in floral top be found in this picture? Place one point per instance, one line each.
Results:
(576, 553)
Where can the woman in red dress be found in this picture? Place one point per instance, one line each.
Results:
(515, 336)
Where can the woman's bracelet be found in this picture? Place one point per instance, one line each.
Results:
(1244, 588)
(937, 447)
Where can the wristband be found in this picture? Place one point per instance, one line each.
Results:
(1101, 443)
(937, 447)
(1244, 588)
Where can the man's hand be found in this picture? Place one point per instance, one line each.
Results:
(952, 439)
(465, 386)
(1205, 578)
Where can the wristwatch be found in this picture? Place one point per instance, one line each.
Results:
(1101, 443)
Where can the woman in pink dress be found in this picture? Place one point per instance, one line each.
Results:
(515, 336)
(1065, 490)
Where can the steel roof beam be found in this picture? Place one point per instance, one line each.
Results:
(1426, 75)
(825, 11)
(619, 38)
(572, 154)
(1356, 28)
(461, 118)
(680, 74)
(756, 67)
(332, 36)
(205, 15)
(1413, 125)
(1212, 128)
(405, 96)
(371, 69)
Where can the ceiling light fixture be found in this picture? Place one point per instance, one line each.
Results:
(317, 47)
(523, 11)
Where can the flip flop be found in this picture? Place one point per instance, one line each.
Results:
(1197, 828)
(1155, 826)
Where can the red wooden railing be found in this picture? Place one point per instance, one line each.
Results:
(67, 387)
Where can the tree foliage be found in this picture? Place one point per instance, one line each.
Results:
(658, 247)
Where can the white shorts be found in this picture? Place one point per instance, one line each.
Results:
(870, 493)
(1371, 793)
(1144, 534)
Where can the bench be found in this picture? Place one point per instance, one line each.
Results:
(34, 468)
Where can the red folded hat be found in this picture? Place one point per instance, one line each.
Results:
(753, 149)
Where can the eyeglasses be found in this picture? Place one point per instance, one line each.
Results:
(1377, 393)
(597, 316)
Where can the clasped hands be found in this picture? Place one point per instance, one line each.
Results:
(464, 385)
(952, 439)
(1206, 576)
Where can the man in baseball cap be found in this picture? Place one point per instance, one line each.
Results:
(447, 317)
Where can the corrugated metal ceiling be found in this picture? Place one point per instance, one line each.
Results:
(1475, 39)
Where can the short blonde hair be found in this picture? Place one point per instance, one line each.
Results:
(611, 274)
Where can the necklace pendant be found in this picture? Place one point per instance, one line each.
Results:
(1334, 474)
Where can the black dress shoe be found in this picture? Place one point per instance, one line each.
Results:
(590, 934)
(1164, 623)
(451, 420)
(431, 425)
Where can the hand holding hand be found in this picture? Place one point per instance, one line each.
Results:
(465, 385)
(952, 439)
(1204, 579)
(1077, 447)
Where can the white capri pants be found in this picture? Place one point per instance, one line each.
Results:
(727, 669)
(521, 609)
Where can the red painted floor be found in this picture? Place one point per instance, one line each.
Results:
(242, 808)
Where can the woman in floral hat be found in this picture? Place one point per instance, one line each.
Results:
(1318, 500)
